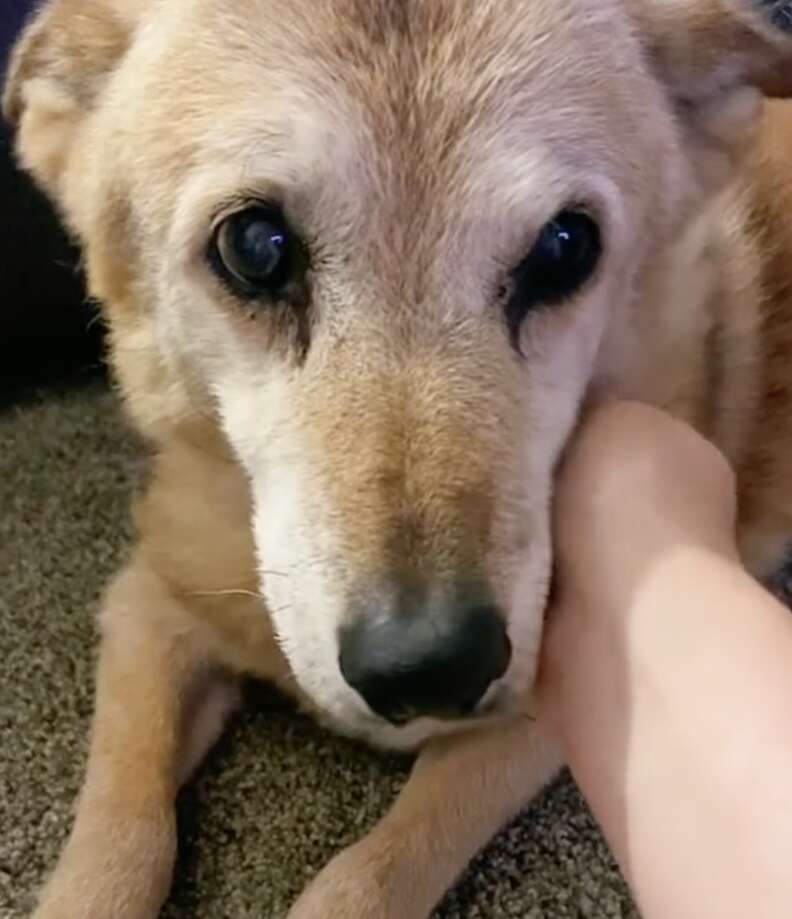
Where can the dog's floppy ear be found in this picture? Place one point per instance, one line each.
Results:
(717, 58)
(704, 47)
(57, 72)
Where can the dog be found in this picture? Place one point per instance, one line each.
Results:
(362, 263)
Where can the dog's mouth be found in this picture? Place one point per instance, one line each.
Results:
(414, 732)
(493, 704)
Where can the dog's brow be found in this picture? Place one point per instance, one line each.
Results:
(236, 201)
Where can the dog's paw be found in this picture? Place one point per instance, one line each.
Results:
(360, 883)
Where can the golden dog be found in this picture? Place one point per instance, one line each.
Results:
(362, 261)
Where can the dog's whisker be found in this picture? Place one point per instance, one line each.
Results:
(280, 609)
(234, 592)
(252, 594)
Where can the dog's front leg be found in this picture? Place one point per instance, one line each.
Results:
(158, 709)
(461, 792)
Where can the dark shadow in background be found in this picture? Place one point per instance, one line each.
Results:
(49, 332)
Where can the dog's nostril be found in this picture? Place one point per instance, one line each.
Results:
(469, 705)
(425, 662)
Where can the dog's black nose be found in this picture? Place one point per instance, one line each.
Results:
(434, 659)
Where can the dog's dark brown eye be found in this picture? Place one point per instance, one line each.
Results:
(254, 251)
(562, 260)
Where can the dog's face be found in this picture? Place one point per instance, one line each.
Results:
(390, 246)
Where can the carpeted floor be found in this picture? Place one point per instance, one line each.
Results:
(278, 796)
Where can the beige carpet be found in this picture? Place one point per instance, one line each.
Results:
(278, 796)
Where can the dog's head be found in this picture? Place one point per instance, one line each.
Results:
(389, 245)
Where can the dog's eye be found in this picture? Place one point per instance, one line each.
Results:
(562, 260)
(254, 251)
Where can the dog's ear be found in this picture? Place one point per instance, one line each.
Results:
(57, 72)
(717, 58)
(704, 47)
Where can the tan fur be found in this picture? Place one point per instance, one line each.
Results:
(383, 422)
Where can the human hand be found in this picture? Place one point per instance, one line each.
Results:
(635, 483)
(637, 488)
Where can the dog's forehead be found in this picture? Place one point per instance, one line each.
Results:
(425, 74)
(431, 73)
(465, 105)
